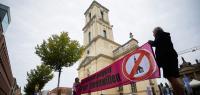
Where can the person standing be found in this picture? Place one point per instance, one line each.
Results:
(160, 89)
(75, 86)
(166, 58)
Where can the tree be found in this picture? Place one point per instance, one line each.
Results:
(59, 51)
(38, 78)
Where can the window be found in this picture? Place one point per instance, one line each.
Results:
(89, 37)
(88, 51)
(102, 14)
(90, 16)
(104, 34)
(120, 88)
(133, 87)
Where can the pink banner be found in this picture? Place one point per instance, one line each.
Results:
(136, 66)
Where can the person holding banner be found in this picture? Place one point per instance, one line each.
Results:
(75, 86)
(166, 57)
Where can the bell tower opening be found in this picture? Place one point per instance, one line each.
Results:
(102, 15)
(104, 34)
(89, 37)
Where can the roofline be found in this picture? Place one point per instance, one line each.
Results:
(95, 58)
(101, 37)
(95, 2)
(125, 44)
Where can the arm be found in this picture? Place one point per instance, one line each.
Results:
(152, 43)
(155, 43)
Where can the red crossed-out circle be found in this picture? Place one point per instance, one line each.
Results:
(136, 65)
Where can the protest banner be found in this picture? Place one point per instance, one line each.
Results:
(136, 66)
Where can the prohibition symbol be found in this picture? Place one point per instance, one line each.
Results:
(139, 65)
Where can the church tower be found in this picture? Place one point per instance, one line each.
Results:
(98, 41)
(97, 30)
(101, 50)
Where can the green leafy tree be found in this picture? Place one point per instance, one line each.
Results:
(37, 78)
(59, 51)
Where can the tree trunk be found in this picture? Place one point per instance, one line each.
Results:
(59, 73)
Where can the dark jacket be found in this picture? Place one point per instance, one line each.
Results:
(165, 52)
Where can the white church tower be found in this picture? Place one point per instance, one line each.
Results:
(98, 42)
(98, 34)
(100, 48)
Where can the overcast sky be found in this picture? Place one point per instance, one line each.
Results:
(35, 20)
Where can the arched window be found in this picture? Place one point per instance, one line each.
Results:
(104, 34)
(88, 51)
(90, 16)
(102, 14)
(89, 37)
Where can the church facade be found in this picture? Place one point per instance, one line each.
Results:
(101, 50)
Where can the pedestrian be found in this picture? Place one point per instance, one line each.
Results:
(166, 58)
(160, 89)
(167, 89)
(75, 86)
(149, 90)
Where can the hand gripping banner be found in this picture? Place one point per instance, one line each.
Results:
(136, 66)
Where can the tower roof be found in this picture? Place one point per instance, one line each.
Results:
(97, 4)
